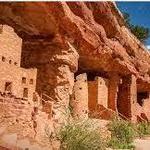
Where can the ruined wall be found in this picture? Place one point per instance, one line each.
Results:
(127, 97)
(114, 82)
(103, 91)
(10, 45)
(92, 95)
(98, 93)
(56, 36)
(30, 84)
(79, 101)
(14, 74)
(11, 72)
(22, 127)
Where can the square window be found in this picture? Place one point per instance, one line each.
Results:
(3, 58)
(10, 61)
(23, 80)
(31, 81)
(15, 63)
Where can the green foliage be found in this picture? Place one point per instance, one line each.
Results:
(122, 134)
(117, 144)
(141, 32)
(127, 19)
(143, 129)
(80, 136)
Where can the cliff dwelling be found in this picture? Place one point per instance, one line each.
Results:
(101, 95)
(73, 59)
(96, 94)
(14, 79)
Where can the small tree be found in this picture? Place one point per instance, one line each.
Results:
(141, 32)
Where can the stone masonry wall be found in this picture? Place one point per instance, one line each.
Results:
(92, 95)
(10, 45)
(14, 74)
(80, 99)
(103, 91)
(127, 97)
(22, 127)
(11, 72)
(113, 90)
(98, 93)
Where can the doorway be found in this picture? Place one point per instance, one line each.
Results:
(8, 86)
(25, 92)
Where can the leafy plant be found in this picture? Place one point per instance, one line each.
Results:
(143, 128)
(122, 134)
(141, 32)
(81, 135)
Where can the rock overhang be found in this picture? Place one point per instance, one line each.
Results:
(95, 29)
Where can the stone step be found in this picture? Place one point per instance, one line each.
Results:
(2, 130)
(142, 144)
(10, 139)
(23, 143)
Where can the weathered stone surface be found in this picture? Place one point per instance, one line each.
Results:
(96, 30)
(61, 38)
(59, 34)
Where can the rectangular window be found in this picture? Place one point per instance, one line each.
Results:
(25, 92)
(23, 80)
(31, 81)
(3, 58)
(8, 86)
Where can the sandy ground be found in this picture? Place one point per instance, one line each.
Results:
(142, 144)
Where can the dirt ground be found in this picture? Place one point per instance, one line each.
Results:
(142, 144)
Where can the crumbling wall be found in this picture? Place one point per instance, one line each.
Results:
(127, 97)
(114, 81)
(103, 91)
(98, 92)
(79, 101)
(10, 45)
(22, 126)
(92, 95)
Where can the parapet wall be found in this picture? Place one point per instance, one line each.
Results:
(14, 75)
(22, 126)
(10, 45)
(18, 81)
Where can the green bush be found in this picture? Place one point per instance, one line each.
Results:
(143, 128)
(122, 134)
(80, 135)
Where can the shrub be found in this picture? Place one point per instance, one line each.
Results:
(81, 135)
(143, 128)
(122, 134)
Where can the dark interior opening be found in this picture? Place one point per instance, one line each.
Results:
(141, 96)
(92, 74)
(23, 80)
(31, 81)
(8, 86)
(3, 58)
(25, 92)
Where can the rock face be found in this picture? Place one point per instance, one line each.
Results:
(96, 32)
(65, 39)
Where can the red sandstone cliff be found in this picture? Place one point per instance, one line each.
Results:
(60, 38)
(96, 30)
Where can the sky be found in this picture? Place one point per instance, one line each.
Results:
(139, 13)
